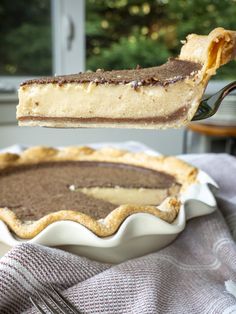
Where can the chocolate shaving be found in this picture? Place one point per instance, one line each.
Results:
(172, 71)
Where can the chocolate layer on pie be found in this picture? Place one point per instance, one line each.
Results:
(172, 71)
(32, 191)
(159, 97)
(175, 115)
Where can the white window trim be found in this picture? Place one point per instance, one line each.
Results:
(68, 18)
(68, 29)
(68, 44)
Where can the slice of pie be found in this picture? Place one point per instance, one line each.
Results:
(96, 188)
(157, 97)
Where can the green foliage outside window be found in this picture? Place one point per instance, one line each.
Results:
(25, 37)
(119, 33)
(122, 33)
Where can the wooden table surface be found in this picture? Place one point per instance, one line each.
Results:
(213, 130)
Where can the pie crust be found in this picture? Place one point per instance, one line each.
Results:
(183, 173)
(158, 97)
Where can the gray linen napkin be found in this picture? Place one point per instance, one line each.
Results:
(188, 276)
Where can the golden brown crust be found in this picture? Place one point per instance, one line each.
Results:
(165, 106)
(168, 210)
(212, 51)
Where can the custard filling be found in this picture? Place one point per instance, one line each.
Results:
(93, 188)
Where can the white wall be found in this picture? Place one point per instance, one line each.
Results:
(166, 142)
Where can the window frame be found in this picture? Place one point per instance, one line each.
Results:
(66, 15)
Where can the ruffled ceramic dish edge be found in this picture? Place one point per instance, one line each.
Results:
(183, 173)
(197, 200)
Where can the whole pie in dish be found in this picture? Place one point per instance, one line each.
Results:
(96, 188)
(157, 97)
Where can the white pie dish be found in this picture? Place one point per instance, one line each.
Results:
(139, 234)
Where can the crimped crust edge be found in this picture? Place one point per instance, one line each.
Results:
(168, 210)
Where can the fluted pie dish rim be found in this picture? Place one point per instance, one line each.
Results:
(183, 173)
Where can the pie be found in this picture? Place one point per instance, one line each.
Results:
(157, 97)
(96, 188)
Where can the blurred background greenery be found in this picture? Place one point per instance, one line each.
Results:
(122, 34)
(25, 37)
(119, 33)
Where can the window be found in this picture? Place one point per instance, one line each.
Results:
(122, 34)
(25, 38)
(39, 38)
(44, 37)
(68, 34)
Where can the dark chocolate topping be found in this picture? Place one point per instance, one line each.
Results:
(32, 191)
(170, 72)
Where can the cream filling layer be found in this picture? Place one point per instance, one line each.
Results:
(121, 196)
(88, 100)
